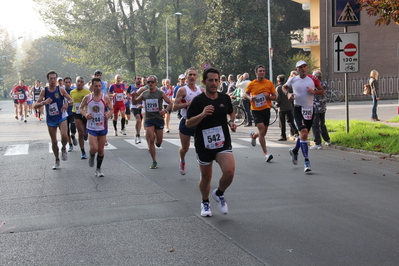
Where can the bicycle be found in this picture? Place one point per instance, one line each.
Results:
(334, 95)
(241, 114)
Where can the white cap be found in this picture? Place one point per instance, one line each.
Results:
(300, 63)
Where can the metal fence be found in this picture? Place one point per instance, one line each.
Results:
(388, 87)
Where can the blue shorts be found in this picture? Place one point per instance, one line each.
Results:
(56, 124)
(97, 133)
(158, 124)
(188, 131)
(30, 102)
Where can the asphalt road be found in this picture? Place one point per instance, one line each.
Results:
(343, 213)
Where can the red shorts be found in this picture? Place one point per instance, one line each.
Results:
(21, 101)
(119, 107)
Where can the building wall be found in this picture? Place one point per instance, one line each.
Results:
(378, 45)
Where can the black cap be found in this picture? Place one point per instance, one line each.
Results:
(98, 72)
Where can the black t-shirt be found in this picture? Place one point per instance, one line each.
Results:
(223, 107)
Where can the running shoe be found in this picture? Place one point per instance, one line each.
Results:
(99, 173)
(16, 117)
(115, 133)
(222, 205)
(85, 137)
(64, 154)
(328, 143)
(316, 147)
(123, 132)
(56, 165)
(91, 161)
(167, 130)
(154, 165)
(253, 140)
(137, 140)
(127, 122)
(70, 147)
(25, 121)
(158, 145)
(22, 118)
(36, 115)
(206, 209)
(268, 157)
(74, 141)
(182, 168)
(307, 167)
(106, 143)
(83, 156)
(294, 156)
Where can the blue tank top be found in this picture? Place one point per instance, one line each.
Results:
(53, 110)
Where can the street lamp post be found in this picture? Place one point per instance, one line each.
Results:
(166, 30)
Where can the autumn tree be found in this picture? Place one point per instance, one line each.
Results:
(386, 10)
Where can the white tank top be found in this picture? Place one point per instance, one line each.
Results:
(188, 98)
(97, 110)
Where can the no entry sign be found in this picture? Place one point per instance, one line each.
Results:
(346, 52)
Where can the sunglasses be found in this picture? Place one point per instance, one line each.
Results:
(150, 81)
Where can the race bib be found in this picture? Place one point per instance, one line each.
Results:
(21, 96)
(98, 120)
(53, 109)
(151, 105)
(77, 108)
(119, 97)
(36, 97)
(307, 113)
(213, 137)
(260, 100)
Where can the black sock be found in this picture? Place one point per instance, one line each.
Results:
(203, 200)
(99, 161)
(123, 121)
(219, 192)
(115, 123)
(83, 151)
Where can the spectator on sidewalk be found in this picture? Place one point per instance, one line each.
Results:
(284, 110)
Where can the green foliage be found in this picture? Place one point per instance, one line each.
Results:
(386, 10)
(308, 58)
(395, 119)
(363, 135)
(44, 55)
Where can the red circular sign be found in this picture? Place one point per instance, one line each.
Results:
(350, 49)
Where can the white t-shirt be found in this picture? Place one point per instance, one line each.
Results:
(300, 89)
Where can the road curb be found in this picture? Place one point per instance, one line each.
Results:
(381, 155)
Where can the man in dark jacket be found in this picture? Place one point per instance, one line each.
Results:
(285, 110)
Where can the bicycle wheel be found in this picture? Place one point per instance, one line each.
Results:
(338, 96)
(241, 115)
(273, 115)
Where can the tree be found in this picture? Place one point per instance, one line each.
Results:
(235, 35)
(45, 55)
(386, 10)
(8, 74)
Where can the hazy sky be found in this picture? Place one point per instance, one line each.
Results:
(20, 18)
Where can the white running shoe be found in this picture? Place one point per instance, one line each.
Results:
(328, 143)
(64, 154)
(316, 147)
(222, 205)
(123, 132)
(22, 118)
(294, 156)
(99, 173)
(206, 209)
(56, 165)
(268, 157)
(115, 133)
(167, 130)
(136, 140)
(307, 167)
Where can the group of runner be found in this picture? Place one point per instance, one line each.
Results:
(204, 113)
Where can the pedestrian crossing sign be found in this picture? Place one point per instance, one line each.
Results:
(346, 13)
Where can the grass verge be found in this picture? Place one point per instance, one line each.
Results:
(370, 136)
